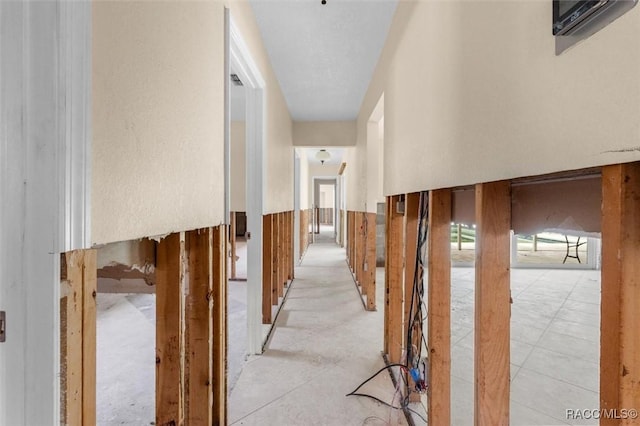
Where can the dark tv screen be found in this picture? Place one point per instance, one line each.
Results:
(569, 13)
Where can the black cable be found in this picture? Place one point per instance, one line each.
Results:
(386, 367)
(390, 405)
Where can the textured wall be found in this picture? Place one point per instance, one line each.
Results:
(474, 92)
(157, 118)
(278, 148)
(324, 133)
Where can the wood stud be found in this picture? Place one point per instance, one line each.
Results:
(232, 244)
(357, 248)
(191, 347)
(198, 375)
(220, 324)
(620, 301)
(394, 282)
(78, 336)
(412, 207)
(439, 309)
(267, 265)
(169, 350)
(278, 262)
(370, 273)
(275, 269)
(492, 305)
(360, 250)
(280, 256)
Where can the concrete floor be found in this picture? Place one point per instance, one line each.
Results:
(325, 344)
(125, 376)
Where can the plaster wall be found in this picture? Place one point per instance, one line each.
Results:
(305, 200)
(488, 99)
(158, 118)
(278, 148)
(324, 133)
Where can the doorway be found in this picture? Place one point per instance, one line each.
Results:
(241, 68)
(324, 212)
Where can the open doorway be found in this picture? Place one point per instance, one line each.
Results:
(245, 328)
(238, 253)
(324, 211)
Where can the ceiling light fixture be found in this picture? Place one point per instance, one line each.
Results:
(324, 1)
(322, 155)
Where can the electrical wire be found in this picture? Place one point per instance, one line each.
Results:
(417, 315)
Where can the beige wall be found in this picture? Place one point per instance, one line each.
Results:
(305, 196)
(356, 176)
(375, 165)
(474, 92)
(278, 148)
(238, 181)
(356, 171)
(324, 133)
(157, 118)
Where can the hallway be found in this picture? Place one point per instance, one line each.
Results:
(324, 345)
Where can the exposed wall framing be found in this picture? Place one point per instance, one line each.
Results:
(498, 209)
(361, 254)
(620, 302)
(232, 246)
(278, 262)
(78, 278)
(492, 306)
(169, 345)
(220, 324)
(191, 328)
(369, 275)
(394, 290)
(439, 307)
(267, 262)
(304, 232)
(411, 304)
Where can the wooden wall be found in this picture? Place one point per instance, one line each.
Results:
(494, 219)
(277, 260)
(361, 254)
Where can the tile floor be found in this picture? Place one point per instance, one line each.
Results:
(554, 345)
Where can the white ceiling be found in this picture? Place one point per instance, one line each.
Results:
(324, 55)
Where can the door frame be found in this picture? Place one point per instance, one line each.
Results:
(240, 58)
(45, 185)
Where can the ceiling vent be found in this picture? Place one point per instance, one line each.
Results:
(236, 80)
